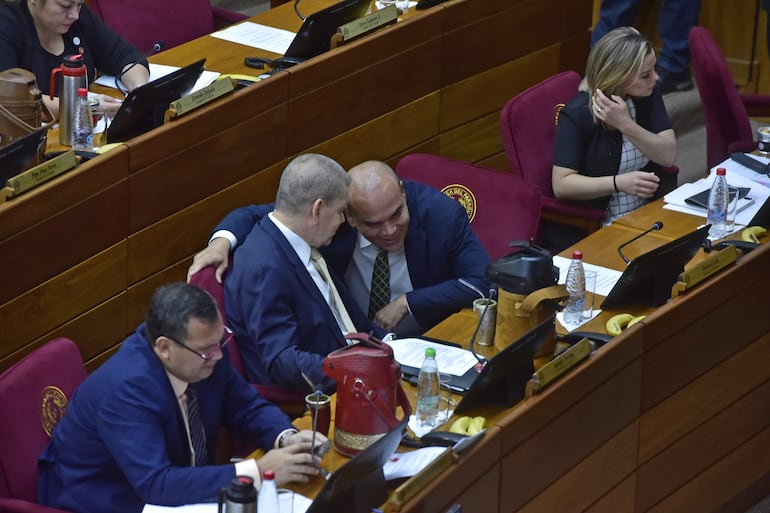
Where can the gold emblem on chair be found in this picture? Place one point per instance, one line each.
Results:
(53, 403)
(464, 196)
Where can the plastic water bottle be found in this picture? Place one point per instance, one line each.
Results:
(428, 390)
(718, 201)
(267, 500)
(82, 123)
(576, 288)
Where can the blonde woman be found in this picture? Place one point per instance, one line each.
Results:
(614, 135)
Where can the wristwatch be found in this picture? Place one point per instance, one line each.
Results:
(284, 436)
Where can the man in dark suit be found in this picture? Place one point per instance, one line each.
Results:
(287, 311)
(426, 236)
(142, 428)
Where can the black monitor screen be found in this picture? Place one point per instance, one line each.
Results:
(503, 380)
(16, 156)
(314, 37)
(359, 485)
(648, 278)
(144, 107)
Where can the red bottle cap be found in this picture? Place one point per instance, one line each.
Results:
(268, 475)
(721, 171)
(82, 91)
(577, 255)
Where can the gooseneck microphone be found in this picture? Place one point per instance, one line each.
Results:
(296, 9)
(492, 294)
(119, 85)
(655, 227)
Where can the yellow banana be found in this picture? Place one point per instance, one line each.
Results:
(635, 320)
(753, 233)
(461, 425)
(476, 425)
(617, 323)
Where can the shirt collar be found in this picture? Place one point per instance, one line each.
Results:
(178, 385)
(299, 245)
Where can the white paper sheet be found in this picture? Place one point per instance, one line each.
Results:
(408, 464)
(450, 359)
(161, 70)
(259, 36)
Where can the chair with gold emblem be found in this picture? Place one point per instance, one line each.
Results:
(34, 394)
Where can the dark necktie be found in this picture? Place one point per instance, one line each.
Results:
(197, 433)
(379, 295)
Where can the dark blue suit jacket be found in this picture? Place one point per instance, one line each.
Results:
(281, 321)
(440, 248)
(122, 442)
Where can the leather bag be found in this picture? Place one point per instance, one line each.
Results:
(21, 107)
(368, 392)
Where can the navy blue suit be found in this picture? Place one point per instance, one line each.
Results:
(440, 248)
(281, 321)
(122, 441)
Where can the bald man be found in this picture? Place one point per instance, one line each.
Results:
(425, 237)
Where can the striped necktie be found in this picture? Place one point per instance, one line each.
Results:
(379, 293)
(338, 307)
(197, 432)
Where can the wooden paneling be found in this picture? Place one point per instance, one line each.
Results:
(59, 300)
(584, 428)
(619, 500)
(592, 478)
(139, 294)
(704, 397)
(474, 140)
(705, 445)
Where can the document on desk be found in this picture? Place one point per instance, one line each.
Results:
(450, 359)
(408, 464)
(259, 36)
(747, 208)
(605, 278)
(161, 70)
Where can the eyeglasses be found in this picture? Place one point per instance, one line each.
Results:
(208, 355)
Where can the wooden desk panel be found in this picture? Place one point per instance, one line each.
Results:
(619, 500)
(675, 224)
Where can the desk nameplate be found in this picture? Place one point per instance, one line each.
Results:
(35, 176)
(708, 267)
(364, 25)
(551, 371)
(199, 98)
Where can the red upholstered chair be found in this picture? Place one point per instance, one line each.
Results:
(144, 22)
(292, 403)
(528, 129)
(34, 394)
(727, 112)
(502, 207)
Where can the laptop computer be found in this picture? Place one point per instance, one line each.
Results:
(359, 485)
(314, 36)
(16, 156)
(144, 108)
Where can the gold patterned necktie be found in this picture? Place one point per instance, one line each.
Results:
(197, 432)
(338, 307)
(379, 294)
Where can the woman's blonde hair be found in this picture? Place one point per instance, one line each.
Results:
(615, 58)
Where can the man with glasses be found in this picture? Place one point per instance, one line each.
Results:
(143, 427)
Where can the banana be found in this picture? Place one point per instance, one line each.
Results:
(635, 320)
(752, 234)
(461, 425)
(477, 424)
(616, 323)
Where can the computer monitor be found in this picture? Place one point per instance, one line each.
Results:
(503, 380)
(144, 108)
(359, 485)
(314, 36)
(648, 278)
(18, 155)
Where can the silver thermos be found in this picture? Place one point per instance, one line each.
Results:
(239, 497)
(73, 77)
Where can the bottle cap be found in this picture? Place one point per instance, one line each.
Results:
(82, 91)
(721, 171)
(268, 475)
(577, 255)
(430, 352)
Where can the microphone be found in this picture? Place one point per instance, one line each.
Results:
(655, 227)
(119, 85)
(296, 3)
(491, 295)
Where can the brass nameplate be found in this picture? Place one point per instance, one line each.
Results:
(42, 172)
(368, 23)
(708, 267)
(414, 484)
(549, 372)
(194, 100)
